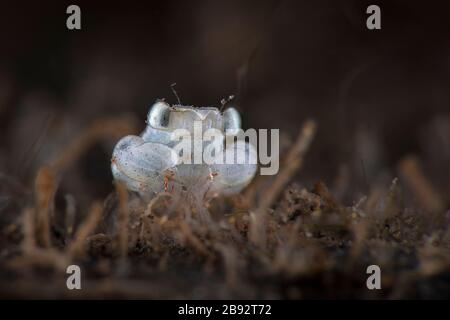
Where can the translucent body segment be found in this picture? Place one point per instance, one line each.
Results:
(131, 184)
(237, 174)
(142, 164)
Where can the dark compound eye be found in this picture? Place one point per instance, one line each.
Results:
(231, 121)
(158, 116)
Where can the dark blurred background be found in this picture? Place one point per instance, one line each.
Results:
(376, 95)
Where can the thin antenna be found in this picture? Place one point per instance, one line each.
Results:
(172, 86)
(226, 101)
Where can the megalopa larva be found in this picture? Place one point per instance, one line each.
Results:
(154, 162)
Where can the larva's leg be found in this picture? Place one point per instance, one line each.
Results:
(142, 165)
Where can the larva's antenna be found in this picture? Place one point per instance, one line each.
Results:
(172, 86)
(226, 101)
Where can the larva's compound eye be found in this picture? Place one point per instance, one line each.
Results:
(158, 116)
(231, 121)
